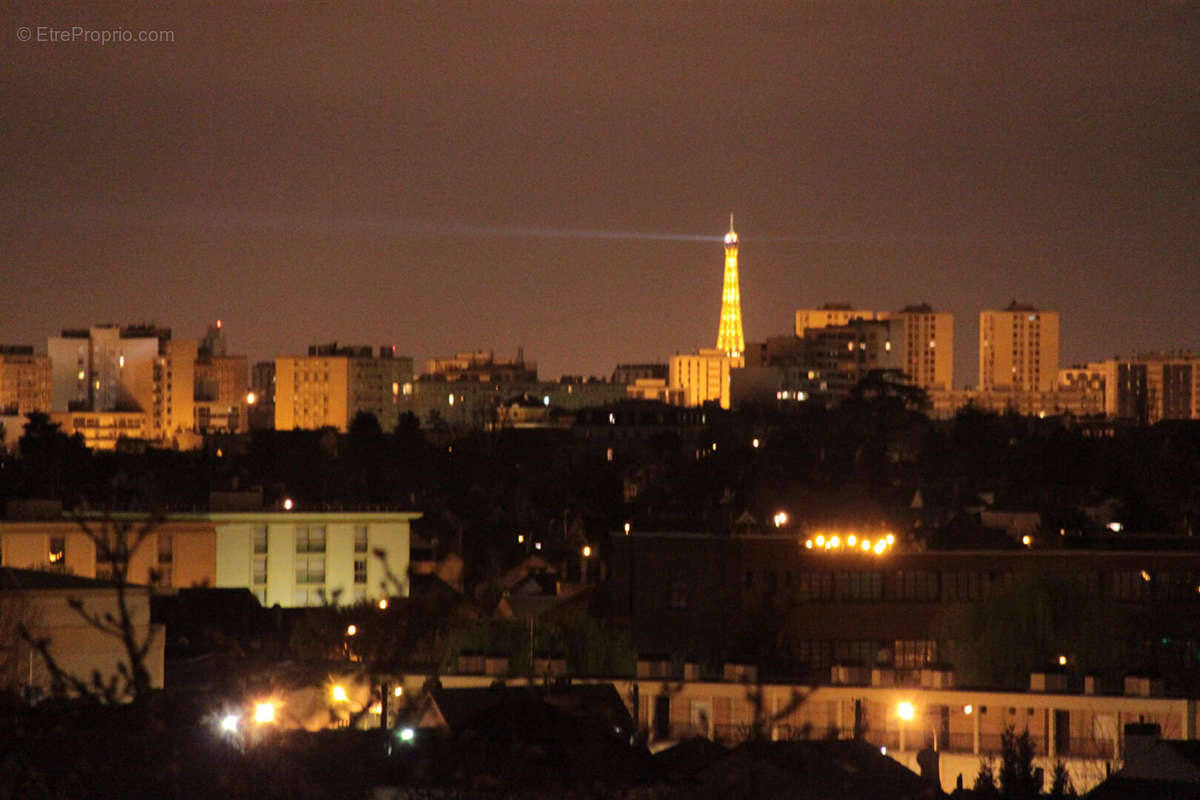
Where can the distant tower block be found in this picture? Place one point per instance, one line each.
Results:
(729, 334)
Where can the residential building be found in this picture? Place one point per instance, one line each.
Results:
(1153, 387)
(1018, 349)
(221, 393)
(25, 381)
(51, 606)
(284, 558)
(1085, 730)
(262, 388)
(629, 374)
(928, 345)
(484, 367)
(703, 377)
(332, 384)
(830, 314)
(474, 405)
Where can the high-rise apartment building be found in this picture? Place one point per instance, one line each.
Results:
(1018, 349)
(830, 315)
(332, 384)
(25, 381)
(928, 346)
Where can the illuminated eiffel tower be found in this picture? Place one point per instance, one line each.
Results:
(729, 334)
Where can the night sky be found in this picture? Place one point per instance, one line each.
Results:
(401, 173)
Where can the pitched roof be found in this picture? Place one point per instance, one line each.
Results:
(816, 769)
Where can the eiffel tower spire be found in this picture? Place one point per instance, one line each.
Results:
(729, 334)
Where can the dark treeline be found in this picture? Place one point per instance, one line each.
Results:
(863, 458)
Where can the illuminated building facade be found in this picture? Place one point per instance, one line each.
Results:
(1018, 349)
(730, 340)
(702, 377)
(25, 380)
(332, 384)
(830, 315)
(483, 366)
(221, 386)
(928, 346)
(287, 558)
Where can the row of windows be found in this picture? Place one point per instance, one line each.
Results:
(900, 653)
(951, 586)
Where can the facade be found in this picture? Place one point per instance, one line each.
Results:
(102, 430)
(43, 603)
(703, 377)
(483, 366)
(475, 405)
(928, 338)
(1086, 731)
(1076, 400)
(289, 559)
(1153, 387)
(846, 608)
(181, 387)
(221, 394)
(332, 384)
(25, 381)
(1018, 349)
(830, 314)
(262, 387)
(630, 374)
(104, 368)
(654, 389)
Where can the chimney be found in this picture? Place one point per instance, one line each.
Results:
(1140, 738)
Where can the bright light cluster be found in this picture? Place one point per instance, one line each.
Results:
(851, 542)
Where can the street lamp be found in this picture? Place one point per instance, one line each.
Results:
(906, 713)
(264, 713)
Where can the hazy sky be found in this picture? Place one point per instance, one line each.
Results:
(393, 174)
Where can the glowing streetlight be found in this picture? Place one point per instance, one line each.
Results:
(906, 713)
(754, 444)
(1062, 661)
(626, 528)
(407, 734)
(780, 518)
(229, 723)
(264, 713)
(1027, 540)
(351, 630)
(288, 504)
(587, 551)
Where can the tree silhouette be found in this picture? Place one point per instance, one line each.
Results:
(116, 541)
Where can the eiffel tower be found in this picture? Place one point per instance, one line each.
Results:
(729, 334)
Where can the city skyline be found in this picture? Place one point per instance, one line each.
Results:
(558, 178)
